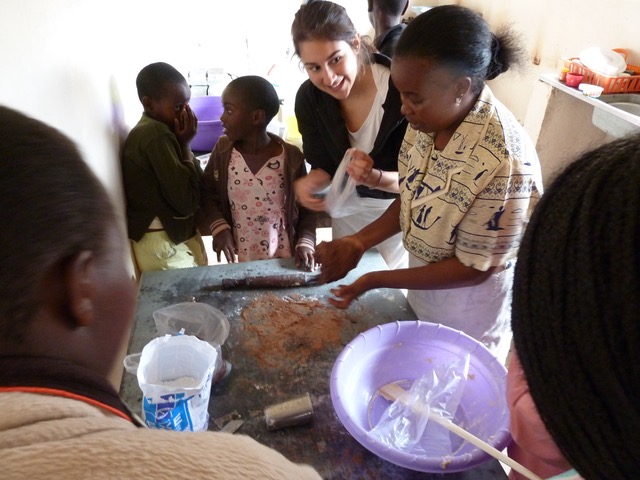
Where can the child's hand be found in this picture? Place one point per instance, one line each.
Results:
(223, 242)
(185, 125)
(305, 258)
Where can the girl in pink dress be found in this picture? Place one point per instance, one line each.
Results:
(247, 201)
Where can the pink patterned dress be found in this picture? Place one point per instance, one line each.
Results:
(257, 208)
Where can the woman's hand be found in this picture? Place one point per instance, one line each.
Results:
(363, 172)
(305, 258)
(348, 293)
(361, 169)
(223, 242)
(338, 257)
(307, 188)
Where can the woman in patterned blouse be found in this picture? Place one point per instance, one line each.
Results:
(469, 178)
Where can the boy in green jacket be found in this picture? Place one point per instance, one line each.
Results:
(161, 174)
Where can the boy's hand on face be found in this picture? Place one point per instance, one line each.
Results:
(185, 125)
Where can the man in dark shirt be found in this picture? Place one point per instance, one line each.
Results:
(386, 18)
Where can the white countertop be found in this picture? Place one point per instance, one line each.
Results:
(552, 80)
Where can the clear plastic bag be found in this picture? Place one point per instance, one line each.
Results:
(198, 319)
(405, 423)
(342, 198)
(191, 318)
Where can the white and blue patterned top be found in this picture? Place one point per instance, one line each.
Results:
(473, 199)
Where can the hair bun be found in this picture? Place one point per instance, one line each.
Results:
(496, 65)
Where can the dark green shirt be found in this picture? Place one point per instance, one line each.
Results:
(157, 183)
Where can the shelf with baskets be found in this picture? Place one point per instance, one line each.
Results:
(610, 84)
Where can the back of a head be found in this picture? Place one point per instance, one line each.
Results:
(152, 79)
(52, 207)
(258, 94)
(390, 7)
(322, 20)
(576, 310)
(460, 39)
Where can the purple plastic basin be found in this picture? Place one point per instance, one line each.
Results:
(404, 351)
(208, 110)
(207, 136)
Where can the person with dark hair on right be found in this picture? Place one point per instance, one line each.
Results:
(576, 314)
(469, 178)
(386, 18)
(66, 305)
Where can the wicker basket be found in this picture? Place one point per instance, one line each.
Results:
(626, 84)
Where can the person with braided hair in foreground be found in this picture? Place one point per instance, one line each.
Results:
(67, 301)
(576, 316)
(469, 177)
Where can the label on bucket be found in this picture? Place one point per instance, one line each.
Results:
(170, 413)
(179, 410)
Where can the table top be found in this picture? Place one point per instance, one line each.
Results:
(282, 344)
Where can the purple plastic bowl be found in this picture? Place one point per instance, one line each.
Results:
(208, 110)
(404, 351)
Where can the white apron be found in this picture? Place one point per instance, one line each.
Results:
(482, 311)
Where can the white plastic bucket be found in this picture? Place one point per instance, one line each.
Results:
(175, 374)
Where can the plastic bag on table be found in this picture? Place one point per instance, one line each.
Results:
(200, 320)
(342, 198)
(191, 318)
(405, 423)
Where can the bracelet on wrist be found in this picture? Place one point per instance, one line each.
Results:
(379, 180)
(306, 243)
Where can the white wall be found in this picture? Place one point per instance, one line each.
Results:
(553, 29)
